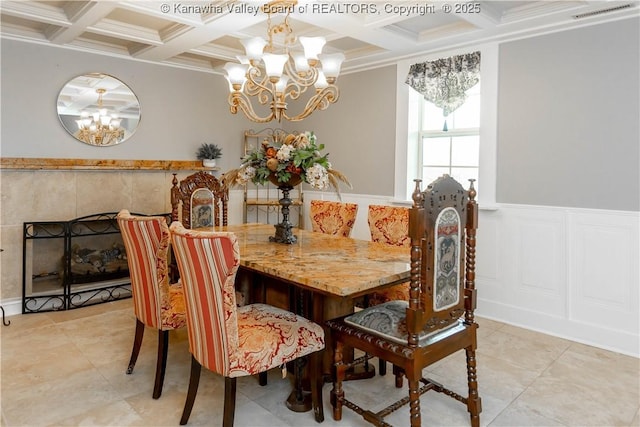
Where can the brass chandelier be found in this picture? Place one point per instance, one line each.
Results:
(274, 78)
(99, 127)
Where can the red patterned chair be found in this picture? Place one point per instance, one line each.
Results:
(390, 225)
(157, 304)
(236, 341)
(335, 218)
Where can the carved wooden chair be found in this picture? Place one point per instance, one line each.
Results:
(203, 198)
(236, 341)
(157, 303)
(437, 320)
(335, 218)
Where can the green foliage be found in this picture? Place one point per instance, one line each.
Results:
(208, 151)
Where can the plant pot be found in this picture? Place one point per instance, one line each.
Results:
(209, 163)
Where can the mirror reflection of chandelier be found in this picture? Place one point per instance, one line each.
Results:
(275, 77)
(99, 127)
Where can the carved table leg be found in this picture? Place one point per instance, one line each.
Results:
(299, 400)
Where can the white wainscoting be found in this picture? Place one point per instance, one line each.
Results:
(573, 273)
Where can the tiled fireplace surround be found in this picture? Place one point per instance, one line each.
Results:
(60, 193)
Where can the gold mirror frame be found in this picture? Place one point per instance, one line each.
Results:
(90, 93)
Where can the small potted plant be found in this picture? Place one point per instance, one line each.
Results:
(208, 153)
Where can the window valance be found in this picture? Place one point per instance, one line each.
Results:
(444, 82)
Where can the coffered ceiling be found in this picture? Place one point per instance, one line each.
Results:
(204, 35)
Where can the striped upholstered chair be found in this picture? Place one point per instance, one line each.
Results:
(157, 304)
(235, 341)
(335, 218)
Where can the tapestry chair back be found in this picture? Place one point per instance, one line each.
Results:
(203, 199)
(444, 218)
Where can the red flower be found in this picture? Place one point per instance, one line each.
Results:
(294, 169)
(271, 153)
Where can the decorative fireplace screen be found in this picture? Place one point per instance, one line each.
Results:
(71, 264)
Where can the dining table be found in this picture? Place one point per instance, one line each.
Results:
(333, 272)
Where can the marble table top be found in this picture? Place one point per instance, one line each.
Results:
(336, 266)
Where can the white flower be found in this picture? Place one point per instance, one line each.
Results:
(284, 153)
(245, 175)
(318, 177)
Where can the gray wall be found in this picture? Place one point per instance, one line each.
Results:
(568, 119)
(180, 108)
(568, 113)
(359, 130)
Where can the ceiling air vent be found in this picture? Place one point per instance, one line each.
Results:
(601, 11)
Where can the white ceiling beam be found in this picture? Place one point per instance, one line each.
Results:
(82, 16)
(350, 26)
(197, 36)
(108, 27)
(478, 14)
(33, 11)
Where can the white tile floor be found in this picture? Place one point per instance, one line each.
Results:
(68, 369)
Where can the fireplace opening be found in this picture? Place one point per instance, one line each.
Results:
(72, 264)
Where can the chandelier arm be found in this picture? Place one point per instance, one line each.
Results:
(297, 84)
(307, 79)
(320, 101)
(256, 87)
(238, 100)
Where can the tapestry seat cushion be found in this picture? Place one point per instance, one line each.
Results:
(388, 320)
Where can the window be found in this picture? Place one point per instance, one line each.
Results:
(455, 151)
(412, 128)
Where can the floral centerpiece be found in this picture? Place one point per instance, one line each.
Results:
(296, 159)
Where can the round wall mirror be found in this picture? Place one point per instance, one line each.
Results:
(98, 109)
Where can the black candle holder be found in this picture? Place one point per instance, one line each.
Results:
(283, 229)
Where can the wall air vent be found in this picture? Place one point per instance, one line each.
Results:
(601, 11)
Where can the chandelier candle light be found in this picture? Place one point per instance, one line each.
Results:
(286, 164)
(99, 128)
(275, 77)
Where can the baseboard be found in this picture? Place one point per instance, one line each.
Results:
(12, 306)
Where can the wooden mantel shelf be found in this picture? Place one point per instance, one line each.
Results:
(99, 164)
